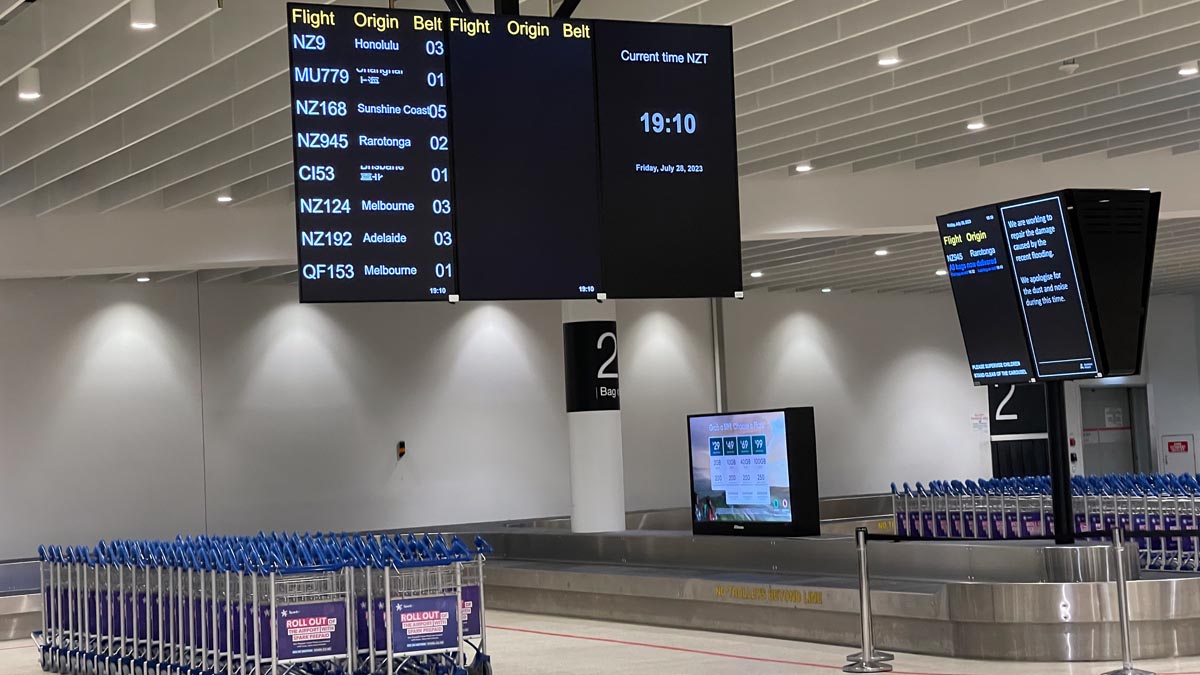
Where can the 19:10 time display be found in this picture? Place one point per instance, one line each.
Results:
(659, 123)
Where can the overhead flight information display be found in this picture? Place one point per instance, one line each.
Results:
(527, 165)
(988, 309)
(372, 159)
(485, 157)
(669, 159)
(1039, 241)
(1033, 283)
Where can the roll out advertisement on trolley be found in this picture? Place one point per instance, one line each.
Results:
(754, 473)
(423, 625)
(311, 631)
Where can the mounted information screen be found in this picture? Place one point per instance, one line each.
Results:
(754, 472)
(1049, 288)
(1035, 279)
(487, 157)
(989, 311)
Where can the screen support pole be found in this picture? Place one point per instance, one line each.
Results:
(1060, 463)
(508, 7)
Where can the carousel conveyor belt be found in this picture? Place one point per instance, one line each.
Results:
(996, 600)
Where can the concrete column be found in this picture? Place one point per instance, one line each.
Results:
(594, 416)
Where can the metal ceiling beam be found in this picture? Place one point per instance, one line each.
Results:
(943, 140)
(262, 161)
(256, 187)
(859, 245)
(246, 61)
(841, 272)
(1007, 68)
(267, 273)
(172, 276)
(69, 72)
(247, 113)
(46, 27)
(265, 133)
(212, 276)
(1002, 100)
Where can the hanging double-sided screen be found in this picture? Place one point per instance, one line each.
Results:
(1035, 281)
(989, 312)
(484, 157)
(1049, 289)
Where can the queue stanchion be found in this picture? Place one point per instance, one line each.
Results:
(1118, 549)
(868, 660)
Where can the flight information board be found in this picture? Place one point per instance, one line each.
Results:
(669, 160)
(488, 157)
(988, 308)
(371, 135)
(527, 164)
(1020, 289)
(1048, 287)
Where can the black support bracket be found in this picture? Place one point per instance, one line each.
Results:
(566, 9)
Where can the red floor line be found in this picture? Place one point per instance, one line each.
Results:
(740, 657)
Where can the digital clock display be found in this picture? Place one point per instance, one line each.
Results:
(484, 157)
(664, 124)
(668, 160)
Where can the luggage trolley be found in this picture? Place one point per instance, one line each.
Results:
(264, 605)
(422, 592)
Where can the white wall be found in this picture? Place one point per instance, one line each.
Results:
(1171, 367)
(303, 406)
(99, 413)
(124, 406)
(666, 363)
(886, 374)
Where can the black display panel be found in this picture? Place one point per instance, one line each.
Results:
(982, 281)
(669, 160)
(1116, 232)
(445, 156)
(1055, 311)
(372, 170)
(527, 168)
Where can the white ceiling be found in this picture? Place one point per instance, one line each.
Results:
(116, 168)
(848, 264)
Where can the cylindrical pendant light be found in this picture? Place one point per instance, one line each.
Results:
(142, 15)
(29, 85)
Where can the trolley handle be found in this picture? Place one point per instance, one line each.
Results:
(308, 569)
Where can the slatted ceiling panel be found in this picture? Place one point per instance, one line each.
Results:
(175, 111)
(1128, 54)
(849, 264)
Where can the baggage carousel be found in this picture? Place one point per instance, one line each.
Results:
(996, 600)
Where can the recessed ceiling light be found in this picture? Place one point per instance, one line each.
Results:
(941, 273)
(976, 124)
(881, 251)
(756, 275)
(889, 58)
(1189, 68)
(142, 15)
(826, 290)
(143, 279)
(224, 199)
(29, 85)
(802, 167)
